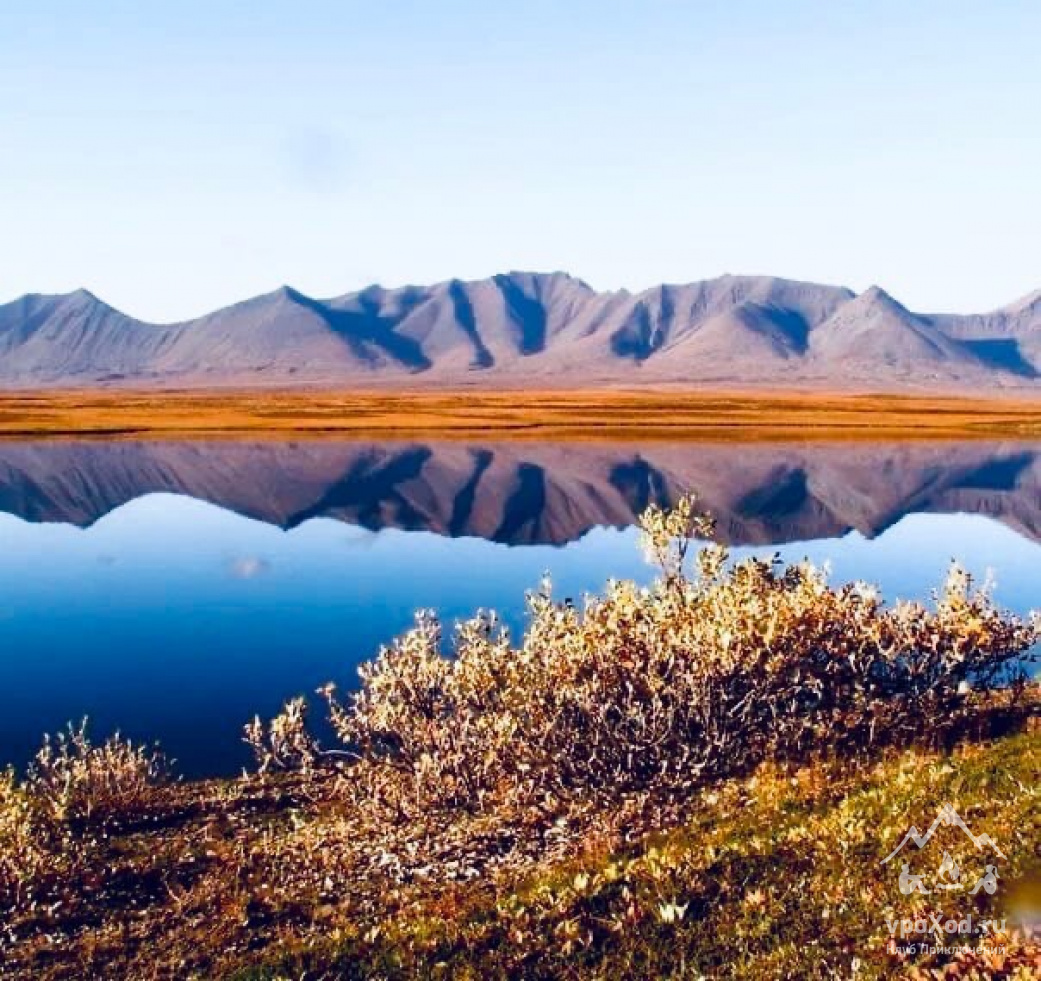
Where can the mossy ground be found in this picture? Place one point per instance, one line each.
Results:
(772, 875)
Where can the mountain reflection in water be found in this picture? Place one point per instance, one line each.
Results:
(521, 493)
(173, 589)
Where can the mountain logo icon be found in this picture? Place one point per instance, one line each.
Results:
(947, 817)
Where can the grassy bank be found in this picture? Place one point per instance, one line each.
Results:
(774, 876)
(572, 415)
(697, 779)
(769, 876)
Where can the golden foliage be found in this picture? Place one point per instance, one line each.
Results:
(75, 781)
(72, 785)
(692, 678)
(23, 849)
(285, 742)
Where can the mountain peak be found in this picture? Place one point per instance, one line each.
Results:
(876, 298)
(84, 299)
(1024, 303)
(283, 294)
(521, 329)
(286, 292)
(875, 294)
(533, 274)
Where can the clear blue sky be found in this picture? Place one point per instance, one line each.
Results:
(176, 157)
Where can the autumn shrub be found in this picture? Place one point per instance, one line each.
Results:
(74, 781)
(21, 850)
(696, 676)
(285, 743)
(71, 787)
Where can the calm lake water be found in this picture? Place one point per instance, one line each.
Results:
(171, 590)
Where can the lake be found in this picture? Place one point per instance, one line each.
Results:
(173, 589)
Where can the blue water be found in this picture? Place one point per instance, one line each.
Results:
(175, 619)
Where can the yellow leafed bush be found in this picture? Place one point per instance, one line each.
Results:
(692, 678)
(21, 850)
(75, 781)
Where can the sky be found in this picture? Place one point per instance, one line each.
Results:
(174, 158)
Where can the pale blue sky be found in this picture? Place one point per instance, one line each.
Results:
(177, 157)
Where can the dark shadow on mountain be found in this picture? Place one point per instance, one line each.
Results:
(464, 315)
(1002, 353)
(526, 313)
(367, 334)
(637, 339)
(793, 324)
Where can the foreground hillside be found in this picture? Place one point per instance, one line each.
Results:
(698, 779)
(531, 329)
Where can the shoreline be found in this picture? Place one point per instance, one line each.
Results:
(510, 415)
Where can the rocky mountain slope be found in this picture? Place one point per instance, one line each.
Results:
(530, 329)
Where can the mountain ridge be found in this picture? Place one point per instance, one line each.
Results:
(542, 329)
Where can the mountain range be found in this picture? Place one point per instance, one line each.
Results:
(530, 330)
(520, 493)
